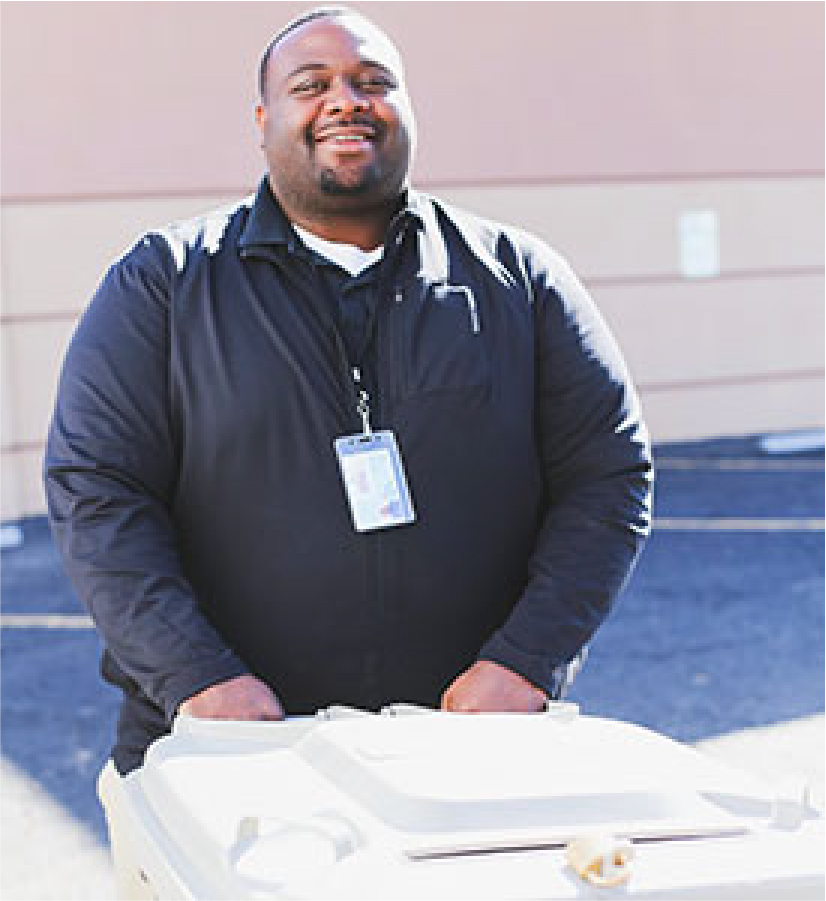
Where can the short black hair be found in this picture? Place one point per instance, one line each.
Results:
(319, 13)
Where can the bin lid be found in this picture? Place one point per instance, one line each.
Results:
(446, 783)
(439, 783)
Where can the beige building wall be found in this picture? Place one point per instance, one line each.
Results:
(598, 126)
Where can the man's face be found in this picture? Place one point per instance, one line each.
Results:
(336, 124)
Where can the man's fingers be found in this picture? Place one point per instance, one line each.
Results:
(488, 687)
(274, 712)
(241, 698)
(454, 702)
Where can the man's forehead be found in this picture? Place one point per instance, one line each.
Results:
(322, 41)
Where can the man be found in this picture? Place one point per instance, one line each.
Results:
(342, 443)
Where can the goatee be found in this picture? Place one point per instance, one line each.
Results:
(331, 184)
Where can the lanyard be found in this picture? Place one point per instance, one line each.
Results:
(363, 402)
(355, 367)
(359, 394)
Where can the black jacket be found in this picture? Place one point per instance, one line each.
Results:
(196, 499)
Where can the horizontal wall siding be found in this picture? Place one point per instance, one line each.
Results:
(760, 407)
(609, 233)
(22, 485)
(35, 352)
(78, 240)
(133, 98)
(717, 329)
(594, 125)
(738, 353)
(629, 231)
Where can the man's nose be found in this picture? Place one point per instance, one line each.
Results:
(345, 97)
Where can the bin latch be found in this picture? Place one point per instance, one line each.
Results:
(602, 860)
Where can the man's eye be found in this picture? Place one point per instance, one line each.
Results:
(312, 86)
(376, 84)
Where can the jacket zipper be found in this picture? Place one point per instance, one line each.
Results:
(394, 324)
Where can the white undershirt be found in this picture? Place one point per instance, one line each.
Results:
(351, 258)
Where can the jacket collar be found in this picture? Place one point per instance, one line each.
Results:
(434, 264)
(267, 226)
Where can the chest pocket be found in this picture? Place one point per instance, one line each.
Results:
(447, 346)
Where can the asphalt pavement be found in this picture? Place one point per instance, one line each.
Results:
(718, 640)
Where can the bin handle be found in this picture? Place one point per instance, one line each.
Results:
(602, 860)
(335, 829)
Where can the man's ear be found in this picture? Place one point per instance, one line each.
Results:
(261, 119)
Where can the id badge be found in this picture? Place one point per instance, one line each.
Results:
(374, 481)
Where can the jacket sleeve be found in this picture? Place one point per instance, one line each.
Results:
(110, 471)
(597, 469)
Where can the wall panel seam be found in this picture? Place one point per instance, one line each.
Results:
(732, 380)
(597, 281)
(23, 447)
(439, 184)
(666, 278)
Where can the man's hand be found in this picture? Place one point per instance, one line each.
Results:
(487, 687)
(241, 698)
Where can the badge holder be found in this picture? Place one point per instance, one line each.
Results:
(373, 474)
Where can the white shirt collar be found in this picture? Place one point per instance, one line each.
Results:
(351, 258)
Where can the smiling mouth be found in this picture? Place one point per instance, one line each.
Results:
(348, 142)
(346, 137)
